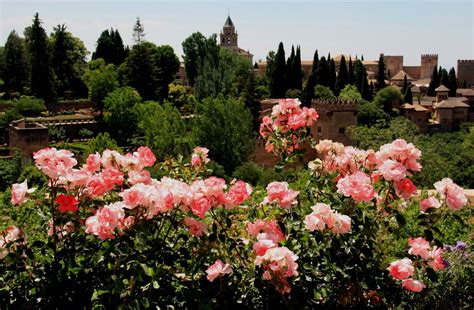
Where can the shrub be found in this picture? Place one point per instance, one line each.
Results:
(28, 106)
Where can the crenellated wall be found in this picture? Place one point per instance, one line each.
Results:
(466, 71)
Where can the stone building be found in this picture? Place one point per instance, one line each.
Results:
(466, 72)
(229, 40)
(27, 137)
(417, 114)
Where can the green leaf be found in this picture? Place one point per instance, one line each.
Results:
(400, 219)
(98, 293)
(431, 274)
(429, 235)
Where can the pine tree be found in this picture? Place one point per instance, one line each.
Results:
(118, 49)
(351, 79)
(104, 47)
(278, 86)
(453, 85)
(138, 32)
(381, 73)
(332, 74)
(342, 76)
(323, 73)
(41, 77)
(408, 96)
(361, 82)
(15, 71)
(434, 82)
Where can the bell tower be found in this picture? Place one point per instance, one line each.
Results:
(228, 35)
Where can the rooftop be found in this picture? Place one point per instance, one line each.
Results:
(442, 88)
(228, 22)
(453, 102)
(400, 76)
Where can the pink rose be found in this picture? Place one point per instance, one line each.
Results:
(401, 269)
(342, 225)
(279, 192)
(436, 259)
(405, 188)
(218, 269)
(392, 170)
(413, 285)
(454, 194)
(430, 202)
(419, 246)
(195, 228)
(146, 156)
(358, 186)
(19, 192)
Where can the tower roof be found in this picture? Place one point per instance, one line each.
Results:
(228, 22)
(442, 88)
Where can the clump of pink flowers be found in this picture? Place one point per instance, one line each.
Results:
(199, 157)
(280, 193)
(324, 217)
(20, 192)
(284, 130)
(452, 193)
(217, 270)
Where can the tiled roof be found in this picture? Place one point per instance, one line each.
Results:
(455, 102)
(400, 76)
(228, 22)
(465, 91)
(442, 88)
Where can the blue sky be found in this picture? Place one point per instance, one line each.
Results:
(367, 27)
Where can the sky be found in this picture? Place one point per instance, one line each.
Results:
(365, 27)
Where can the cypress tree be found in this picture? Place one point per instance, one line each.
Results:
(323, 73)
(342, 76)
(434, 82)
(453, 85)
(278, 80)
(332, 74)
(118, 50)
(15, 71)
(308, 93)
(41, 77)
(351, 79)
(297, 70)
(381, 73)
(290, 74)
(408, 96)
(405, 84)
(104, 47)
(443, 75)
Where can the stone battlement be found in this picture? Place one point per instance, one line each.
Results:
(334, 104)
(429, 55)
(465, 61)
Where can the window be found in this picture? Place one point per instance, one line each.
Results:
(342, 130)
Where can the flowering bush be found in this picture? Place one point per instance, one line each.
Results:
(116, 236)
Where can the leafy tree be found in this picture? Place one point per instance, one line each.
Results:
(343, 76)
(122, 117)
(408, 98)
(250, 98)
(15, 66)
(453, 85)
(41, 78)
(370, 114)
(278, 80)
(443, 75)
(5, 120)
(149, 69)
(434, 82)
(350, 92)
(323, 92)
(68, 62)
(181, 97)
(386, 98)
(164, 129)
(194, 48)
(360, 78)
(323, 73)
(100, 143)
(224, 126)
(10, 170)
(380, 77)
(138, 32)
(101, 79)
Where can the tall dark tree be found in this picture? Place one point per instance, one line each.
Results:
(68, 62)
(380, 77)
(453, 85)
(41, 76)
(434, 82)
(408, 98)
(323, 73)
(332, 74)
(351, 79)
(194, 48)
(308, 93)
(443, 76)
(361, 81)
(297, 69)
(118, 50)
(405, 84)
(278, 86)
(15, 69)
(342, 77)
(290, 74)
(104, 47)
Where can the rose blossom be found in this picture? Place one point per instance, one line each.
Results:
(413, 285)
(401, 269)
(218, 269)
(195, 228)
(454, 194)
(19, 191)
(199, 156)
(419, 246)
(405, 188)
(66, 203)
(430, 202)
(279, 192)
(358, 186)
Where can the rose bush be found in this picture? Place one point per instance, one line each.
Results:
(114, 236)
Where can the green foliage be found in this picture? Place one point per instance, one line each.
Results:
(100, 143)
(224, 126)
(194, 49)
(122, 117)
(56, 133)
(110, 47)
(5, 120)
(323, 92)
(34, 176)
(369, 114)
(293, 93)
(387, 98)
(101, 80)
(15, 68)
(453, 84)
(278, 78)
(28, 106)
(408, 98)
(149, 69)
(323, 73)
(181, 98)
(342, 76)
(381, 73)
(434, 82)
(10, 170)
(350, 92)
(164, 130)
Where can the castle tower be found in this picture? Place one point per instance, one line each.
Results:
(428, 63)
(466, 72)
(228, 34)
